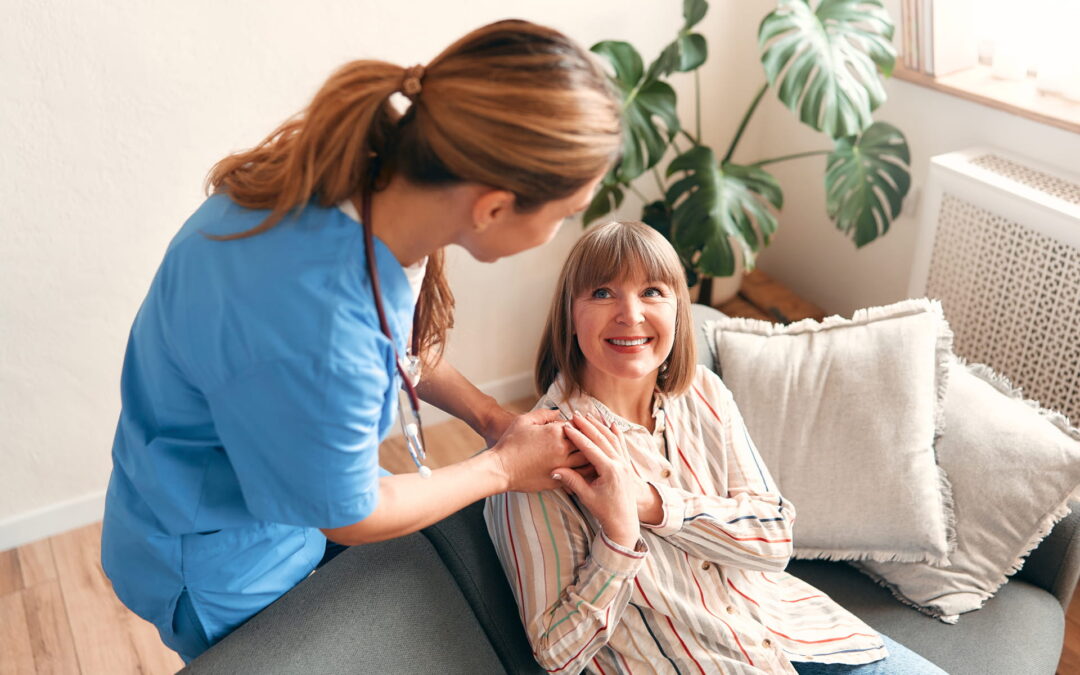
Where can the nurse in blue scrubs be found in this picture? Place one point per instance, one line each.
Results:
(260, 378)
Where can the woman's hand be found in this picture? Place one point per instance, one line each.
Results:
(612, 494)
(532, 447)
(650, 507)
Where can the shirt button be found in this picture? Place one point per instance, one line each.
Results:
(706, 565)
(730, 609)
(666, 473)
(766, 642)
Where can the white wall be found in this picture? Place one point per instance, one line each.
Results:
(112, 114)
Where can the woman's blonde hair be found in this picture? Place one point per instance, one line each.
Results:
(608, 253)
(511, 105)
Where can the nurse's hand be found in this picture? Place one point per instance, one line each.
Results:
(531, 448)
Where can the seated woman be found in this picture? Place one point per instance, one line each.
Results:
(667, 556)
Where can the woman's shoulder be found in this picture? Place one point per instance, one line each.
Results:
(710, 384)
(558, 395)
(707, 398)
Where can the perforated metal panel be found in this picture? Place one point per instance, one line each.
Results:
(1044, 182)
(1011, 292)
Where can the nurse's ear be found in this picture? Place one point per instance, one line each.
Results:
(490, 207)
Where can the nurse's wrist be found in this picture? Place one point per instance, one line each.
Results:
(496, 422)
(492, 465)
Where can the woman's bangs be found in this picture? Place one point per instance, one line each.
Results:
(623, 253)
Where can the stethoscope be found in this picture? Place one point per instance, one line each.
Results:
(409, 367)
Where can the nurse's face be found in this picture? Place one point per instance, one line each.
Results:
(508, 231)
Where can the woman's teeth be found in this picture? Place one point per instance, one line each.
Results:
(628, 343)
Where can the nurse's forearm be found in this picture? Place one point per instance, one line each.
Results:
(532, 449)
(447, 389)
(408, 502)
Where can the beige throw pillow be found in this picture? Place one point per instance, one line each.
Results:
(845, 413)
(1013, 466)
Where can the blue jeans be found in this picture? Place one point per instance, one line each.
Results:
(900, 661)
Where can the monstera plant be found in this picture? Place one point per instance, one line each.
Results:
(825, 62)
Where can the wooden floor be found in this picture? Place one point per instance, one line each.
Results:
(58, 613)
(1070, 654)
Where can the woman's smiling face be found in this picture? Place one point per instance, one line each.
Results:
(625, 328)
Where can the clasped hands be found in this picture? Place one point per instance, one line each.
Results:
(602, 477)
(586, 457)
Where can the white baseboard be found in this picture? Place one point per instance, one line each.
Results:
(51, 520)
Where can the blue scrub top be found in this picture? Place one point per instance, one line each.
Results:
(256, 387)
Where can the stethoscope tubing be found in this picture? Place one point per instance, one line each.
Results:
(414, 439)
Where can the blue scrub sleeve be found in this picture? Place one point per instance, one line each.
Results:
(302, 435)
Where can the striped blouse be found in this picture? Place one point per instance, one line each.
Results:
(704, 591)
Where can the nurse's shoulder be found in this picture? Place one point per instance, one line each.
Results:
(297, 290)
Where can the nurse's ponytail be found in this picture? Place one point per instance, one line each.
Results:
(511, 105)
(325, 151)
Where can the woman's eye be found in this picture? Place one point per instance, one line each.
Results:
(653, 292)
(601, 294)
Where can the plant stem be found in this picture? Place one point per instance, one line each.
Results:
(659, 182)
(745, 121)
(641, 196)
(697, 102)
(797, 155)
(690, 138)
(705, 291)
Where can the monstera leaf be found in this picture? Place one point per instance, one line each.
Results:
(608, 198)
(689, 50)
(649, 116)
(866, 180)
(644, 100)
(826, 61)
(715, 203)
(657, 215)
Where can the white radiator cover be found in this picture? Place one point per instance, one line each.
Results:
(999, 245)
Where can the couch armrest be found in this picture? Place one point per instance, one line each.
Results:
(705, 348)
(1055, 564)
(464, 547)
(390, 607)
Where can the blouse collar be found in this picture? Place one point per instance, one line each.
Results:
(584, 402)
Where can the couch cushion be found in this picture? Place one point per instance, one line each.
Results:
(1020, 630)
(1055, 564)
(1013, 466)
(855, 405)
(390, 607)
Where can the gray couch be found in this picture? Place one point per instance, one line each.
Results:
(437, 602)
